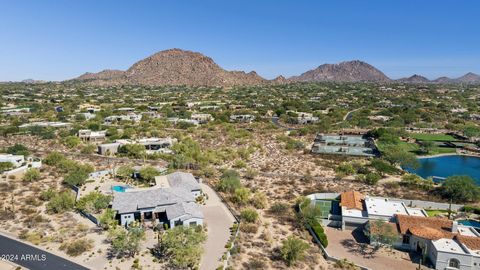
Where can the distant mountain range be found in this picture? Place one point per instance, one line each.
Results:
(180, 67)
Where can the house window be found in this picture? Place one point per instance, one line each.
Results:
(193, 223)
(406, 239)
(454, 263)
(178, 222)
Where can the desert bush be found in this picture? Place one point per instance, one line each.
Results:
(77, 247)
(249, 215)
(61, 202)
(259, 200)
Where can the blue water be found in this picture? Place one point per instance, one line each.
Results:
(120, 188)
(449, 165)
(469, 222)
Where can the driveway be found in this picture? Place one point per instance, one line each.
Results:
(33, 258)
(351, 245)
(219, 220)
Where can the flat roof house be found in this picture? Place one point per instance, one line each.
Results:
(357, 209)
(201, 118)
(16, 160)
(88, 135)
(243, 118)
(20, 164)
(152, 145)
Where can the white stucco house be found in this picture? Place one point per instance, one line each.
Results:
(20, 164)
(172, 201)
(447, 244)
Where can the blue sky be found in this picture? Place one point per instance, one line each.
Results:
(56, 40)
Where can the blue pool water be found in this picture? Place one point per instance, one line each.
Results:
(120, 188)
(469, 222)
(449, 165)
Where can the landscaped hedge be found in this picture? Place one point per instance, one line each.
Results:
(472, 209)
(318, 229)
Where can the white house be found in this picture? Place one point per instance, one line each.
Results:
(171, 202)
(91, 136)
(447, 244)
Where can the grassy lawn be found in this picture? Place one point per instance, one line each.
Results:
(432, 213)
(410, 147)
(415, 148)
(432, 137)
(441, 150)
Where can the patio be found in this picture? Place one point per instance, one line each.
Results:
(353, 245)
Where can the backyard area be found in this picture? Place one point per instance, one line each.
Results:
(353, 246)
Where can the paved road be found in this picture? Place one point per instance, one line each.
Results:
(34, 258)
(218, 220)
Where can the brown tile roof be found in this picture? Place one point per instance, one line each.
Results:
(429, 233)
(472, 242)
(352, 200)
(434, 229)
(425, 227)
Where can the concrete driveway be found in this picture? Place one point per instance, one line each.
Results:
(351, 245)
(219, 220)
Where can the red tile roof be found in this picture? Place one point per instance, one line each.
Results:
(425, 227)
(352, 200)
(472, 242)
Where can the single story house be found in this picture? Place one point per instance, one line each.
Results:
(243, 118)
(201, 118)
(152, 145)
(445, 243)
(173, 206)
(20, 164)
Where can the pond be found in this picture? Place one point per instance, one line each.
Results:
(445, 166)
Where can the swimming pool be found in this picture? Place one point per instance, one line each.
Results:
(120, 188)
(470, 222)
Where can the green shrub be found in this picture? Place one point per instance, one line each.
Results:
(61, 202)
(229, 181)
(279, 208)
(471, 209)
(31, 175)
(18, 149)
(93, 202)
(249, 215)
(293, 249)
(241, 195)
(320, 232)
(47, 194)
(54, 158)
(372, 178)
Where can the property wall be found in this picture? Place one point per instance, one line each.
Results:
(429, 205)
(443, 259)
(331, 223)
(320, 196)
